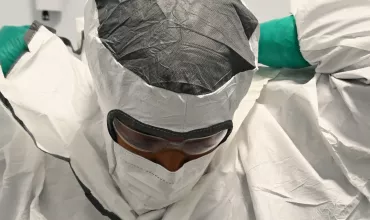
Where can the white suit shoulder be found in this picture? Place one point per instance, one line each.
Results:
(50, 89)
(47, 96)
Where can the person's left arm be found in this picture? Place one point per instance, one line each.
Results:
(12, 46)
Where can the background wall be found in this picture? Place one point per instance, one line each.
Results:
(266, 10)
(20, 12)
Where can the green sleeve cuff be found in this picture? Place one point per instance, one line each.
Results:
(12, 46)
(279, 46)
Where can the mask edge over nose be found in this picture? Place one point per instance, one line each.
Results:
(153, 182)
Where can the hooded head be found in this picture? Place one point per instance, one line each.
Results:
(170, 69)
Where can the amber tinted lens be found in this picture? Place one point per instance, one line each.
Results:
(203, 145)
(148, 143)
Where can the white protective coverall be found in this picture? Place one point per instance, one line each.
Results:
(61, 109)
(301, 153)
(309, 135)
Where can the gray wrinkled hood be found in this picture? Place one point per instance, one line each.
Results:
(170, 65)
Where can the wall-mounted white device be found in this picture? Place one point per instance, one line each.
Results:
(46, 6)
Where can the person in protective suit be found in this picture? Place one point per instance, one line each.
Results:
(157, 127)
(142, 133)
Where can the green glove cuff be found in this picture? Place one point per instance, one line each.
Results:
(12, 46)
(279, 46)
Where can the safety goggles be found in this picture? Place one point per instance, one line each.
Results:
(147, 143)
